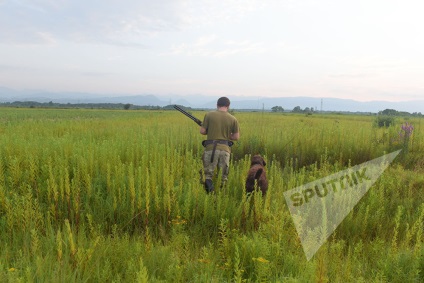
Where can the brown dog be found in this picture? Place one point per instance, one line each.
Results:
(257, 175)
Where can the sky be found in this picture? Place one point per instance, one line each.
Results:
(364, 50)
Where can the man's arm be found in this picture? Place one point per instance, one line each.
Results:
(205, 125)
(234, 136)
(203, 131)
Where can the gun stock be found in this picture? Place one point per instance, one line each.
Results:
(197, 121)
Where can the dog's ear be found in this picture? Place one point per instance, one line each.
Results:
(263, 160)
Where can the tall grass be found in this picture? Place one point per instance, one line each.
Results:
(114, 196)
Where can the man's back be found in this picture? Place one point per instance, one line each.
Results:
(220, 125)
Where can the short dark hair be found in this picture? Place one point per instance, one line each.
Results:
(223, 101)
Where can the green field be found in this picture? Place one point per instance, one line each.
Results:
(114, 196)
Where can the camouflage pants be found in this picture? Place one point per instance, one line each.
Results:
(220, 159)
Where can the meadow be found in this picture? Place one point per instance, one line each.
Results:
(114, 196)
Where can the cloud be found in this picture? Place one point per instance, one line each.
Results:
(205, 40)
(46, 37)
(89, 21)
(97, 74)
(241, 47)
(132, 22)
(351, 76)
(9, 68)
(204, 12)
(209, 46)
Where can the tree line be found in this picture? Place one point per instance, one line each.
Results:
(35, 104)
(128, 106)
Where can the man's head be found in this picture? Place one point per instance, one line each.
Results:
(223, 102)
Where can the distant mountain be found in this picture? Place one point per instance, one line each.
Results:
(331, 104)
(142, 100)
(9, 95)
(209, 102)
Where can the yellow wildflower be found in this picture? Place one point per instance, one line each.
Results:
(178, 221)
(260, 259)
(204, 260)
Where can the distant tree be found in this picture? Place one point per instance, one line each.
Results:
(171, 107)
(384, 121)
(389, 112)
(127, 106)
(392, 112)
(297, 109)
(277, 109)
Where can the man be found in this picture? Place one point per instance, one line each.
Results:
(221, 128)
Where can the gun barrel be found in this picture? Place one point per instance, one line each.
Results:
(197, 121)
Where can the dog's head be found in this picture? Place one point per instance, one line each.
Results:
(257, 159)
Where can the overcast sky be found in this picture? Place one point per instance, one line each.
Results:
(362, 49)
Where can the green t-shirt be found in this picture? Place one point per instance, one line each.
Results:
(219, 126)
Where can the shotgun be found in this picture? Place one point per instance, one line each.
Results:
(197, 121)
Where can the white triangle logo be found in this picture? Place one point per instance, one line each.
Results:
(317, 208)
